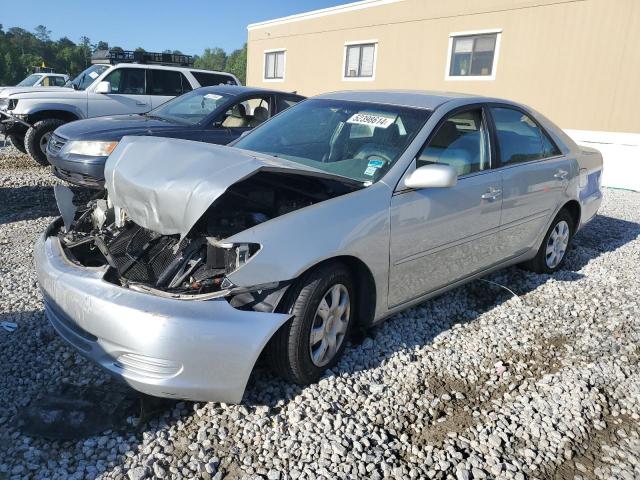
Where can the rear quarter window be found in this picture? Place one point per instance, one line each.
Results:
(212, 79)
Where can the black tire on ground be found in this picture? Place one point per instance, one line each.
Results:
(539, 264)
(18, 142)
(288, 351)
(32, 140)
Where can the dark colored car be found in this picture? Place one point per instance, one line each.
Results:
(78, 150)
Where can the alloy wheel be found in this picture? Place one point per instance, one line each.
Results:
(330, 325)
(557, 244)
(44, 141)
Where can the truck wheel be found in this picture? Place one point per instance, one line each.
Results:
(554, 247)
(18, 142)
(322, 304)
(37, 138)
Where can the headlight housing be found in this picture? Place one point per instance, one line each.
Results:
(92, 148)
(238, 254)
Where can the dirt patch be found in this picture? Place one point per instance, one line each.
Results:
(591, 450)
(455, 415)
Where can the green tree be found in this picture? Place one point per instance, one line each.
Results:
(237, 64)
(211, 59)
(42, 33)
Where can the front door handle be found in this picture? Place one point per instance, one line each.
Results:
(141, 103)
(561, 174)
(491, 194)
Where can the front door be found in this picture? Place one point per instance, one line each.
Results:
(128, 94)
(439, 236)
(535, 175)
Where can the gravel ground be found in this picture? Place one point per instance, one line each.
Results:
(475, 384)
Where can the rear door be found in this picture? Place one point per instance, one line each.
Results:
(441, 235)
(128, 94)
(534, 173)
(163, 85)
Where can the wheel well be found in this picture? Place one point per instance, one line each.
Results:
(573, 207)
(59, 114)
(364, 284)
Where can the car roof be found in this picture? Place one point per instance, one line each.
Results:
(409, 98)
(241, 90)
(157, 66)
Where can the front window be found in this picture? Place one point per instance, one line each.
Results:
(461, 142)
(249, 113)
(274, 65)
(30, 81)
(127, 81)
(88, 76)
(360, 61)
(473, 55)
(357, 140)
(190, 108)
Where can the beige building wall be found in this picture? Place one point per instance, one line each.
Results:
(576, 61)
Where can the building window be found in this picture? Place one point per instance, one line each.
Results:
(274, 65)
(360, 61)
(473, 55)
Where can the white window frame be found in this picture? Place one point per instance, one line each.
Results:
(344, 60)
(264, 65)
(496, 55)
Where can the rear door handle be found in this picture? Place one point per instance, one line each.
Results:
(491, 194)
(141, 103)
(561, 174)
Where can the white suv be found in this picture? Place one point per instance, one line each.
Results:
(29, 118)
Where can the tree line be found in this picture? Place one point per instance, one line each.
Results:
(21, 51)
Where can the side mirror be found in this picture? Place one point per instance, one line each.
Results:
(103, 87)
(437, 175)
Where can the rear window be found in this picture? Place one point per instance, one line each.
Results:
(212, 79)
(166, 82)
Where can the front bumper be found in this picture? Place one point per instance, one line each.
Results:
(188, 349)
(9, 124)
(81, 170)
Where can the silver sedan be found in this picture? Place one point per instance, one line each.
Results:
(341, 211)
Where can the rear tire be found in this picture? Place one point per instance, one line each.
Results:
(18, 142)
(292, 352)
(37, 137)
(556, 243)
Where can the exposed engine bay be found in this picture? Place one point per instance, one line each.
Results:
(101, 234)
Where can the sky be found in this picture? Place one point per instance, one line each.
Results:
(155, 25)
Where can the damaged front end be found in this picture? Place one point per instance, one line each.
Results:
(195, 265)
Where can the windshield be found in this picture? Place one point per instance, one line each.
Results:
(192, 107)
(357, 140)
(30, 81)
(88, 76)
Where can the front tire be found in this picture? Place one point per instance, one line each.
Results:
(18, 142)
(322, 304)
(37, 138)
(555, 245)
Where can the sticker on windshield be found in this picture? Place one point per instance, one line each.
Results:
(212, 96)
(93, 75)
(373, 166)
(371, 119)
